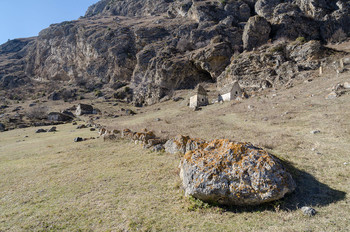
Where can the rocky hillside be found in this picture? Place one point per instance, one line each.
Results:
(156, 46)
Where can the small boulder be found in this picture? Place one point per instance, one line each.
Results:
(129, 112)
(40, 131)
(230, 173)
(158, 148)
(69, 113)
(183, 144)
(346, 85)
(21, 126)
(176, 99)
(78, 139)
(177, 144)
(110, 137)
(52, 129)
(81, 126)
(331, 96)
(2, 127)
(308, 211)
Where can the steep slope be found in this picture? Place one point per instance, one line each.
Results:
(156, 47)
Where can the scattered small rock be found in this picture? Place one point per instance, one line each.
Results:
(18, 108)
(346, 85)
(40, 131)
(32, 104)
(196, 108)
(332, 95)
(158, 148)
(346, 163)
(52, 129)
(21, 126)
(82, 126)
(250, 107)
(92, 129)
(129, 112)
(2, 127)
(315, 131)
(78, 139)
(176, 99)
(157, 119)
(308, 211)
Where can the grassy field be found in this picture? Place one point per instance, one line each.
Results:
(50, 183)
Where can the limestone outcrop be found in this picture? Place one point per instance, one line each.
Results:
(230, 173)
(256, 32)
(277, 65)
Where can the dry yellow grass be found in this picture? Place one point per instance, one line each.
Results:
(50, 183)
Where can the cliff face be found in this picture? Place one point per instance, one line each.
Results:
(157, 46)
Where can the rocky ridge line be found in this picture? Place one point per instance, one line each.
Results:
(156, 47)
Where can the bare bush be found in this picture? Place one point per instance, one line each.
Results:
(338, 36)
(184, 45)
(39, 112)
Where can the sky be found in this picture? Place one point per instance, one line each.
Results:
(26, 18)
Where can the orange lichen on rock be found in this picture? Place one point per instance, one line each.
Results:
(233, 173)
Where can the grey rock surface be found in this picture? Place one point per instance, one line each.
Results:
(308, 211)
(232, 173)
(40, 131)
(2, 127)
(256, 32)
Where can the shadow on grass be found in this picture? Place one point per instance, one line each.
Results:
(309, 192)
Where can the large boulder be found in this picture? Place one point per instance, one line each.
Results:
(230, 173)
(264, 8)
(290, 22)
(256, 32)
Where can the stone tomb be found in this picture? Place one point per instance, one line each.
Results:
(84, 109)
(200, 97)
(234, 92)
